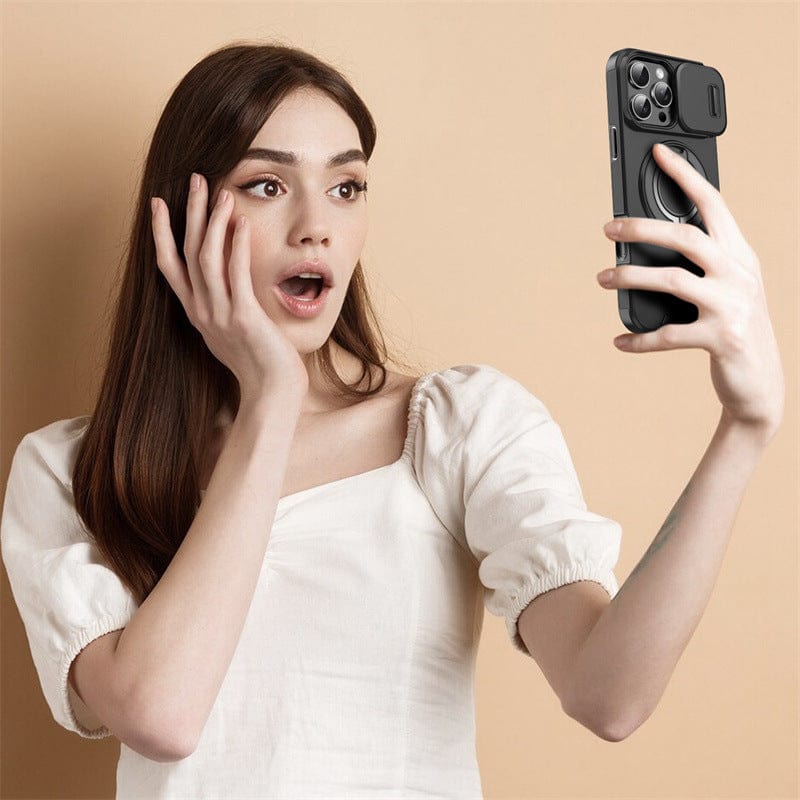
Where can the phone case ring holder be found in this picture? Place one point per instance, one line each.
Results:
(661, 195)
(664, 199)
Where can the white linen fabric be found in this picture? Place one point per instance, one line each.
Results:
(354, 673)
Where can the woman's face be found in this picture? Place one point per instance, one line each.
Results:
(301, 210)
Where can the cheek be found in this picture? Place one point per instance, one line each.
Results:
(267, 240)
(264, 238)
(358, 232)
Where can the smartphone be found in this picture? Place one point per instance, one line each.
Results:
(653, 98)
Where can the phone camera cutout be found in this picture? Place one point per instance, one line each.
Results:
(641, 106)
(650, 96)
(639, 75)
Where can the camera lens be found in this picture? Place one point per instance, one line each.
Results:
(641, 106)
(638, 74)
(662, 94)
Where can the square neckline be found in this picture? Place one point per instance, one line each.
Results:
(412, 417)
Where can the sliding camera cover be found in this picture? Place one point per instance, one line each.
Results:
(700, 95)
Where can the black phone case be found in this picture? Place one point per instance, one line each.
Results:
(689, 124)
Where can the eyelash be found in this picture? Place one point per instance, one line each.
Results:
(358, 188)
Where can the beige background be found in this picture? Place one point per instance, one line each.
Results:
(489, 187)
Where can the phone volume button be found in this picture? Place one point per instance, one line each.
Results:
(613, 144)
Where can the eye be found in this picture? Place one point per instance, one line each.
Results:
(352, 188)
(271, 182)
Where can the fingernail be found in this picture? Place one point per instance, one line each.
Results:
(223, 196)
(613, 226)
(605, 276)
(194, 184)
(153, 205)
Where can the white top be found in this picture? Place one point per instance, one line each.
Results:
(353, 676)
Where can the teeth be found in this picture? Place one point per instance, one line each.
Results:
(308, 275)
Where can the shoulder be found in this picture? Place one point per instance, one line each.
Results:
(477, 389)
(53, 447)
(473, 406)
(38, 508)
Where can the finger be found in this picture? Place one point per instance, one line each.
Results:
(680, 236)
(241, 280)
(196, 214)
(167, 257)
(717, 218)
(676, 281)
(667, 337)
(212, 251)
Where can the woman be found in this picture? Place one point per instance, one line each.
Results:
(269, 582)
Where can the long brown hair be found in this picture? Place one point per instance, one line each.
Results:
(136, 478)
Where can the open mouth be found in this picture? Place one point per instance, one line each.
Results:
(302, 288)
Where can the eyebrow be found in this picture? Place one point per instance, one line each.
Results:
(290, 158)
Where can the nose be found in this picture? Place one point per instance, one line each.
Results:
(311, 223)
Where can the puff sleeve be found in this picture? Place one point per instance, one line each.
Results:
(498, 473)
(65, 593)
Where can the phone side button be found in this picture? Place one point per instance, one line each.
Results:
(614, 149)
(622, 252)
(624, 304)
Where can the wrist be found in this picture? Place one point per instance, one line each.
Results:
(758, 432)
(279, 405)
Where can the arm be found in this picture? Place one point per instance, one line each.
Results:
(612, 678)
(172, 657)
(623, 666)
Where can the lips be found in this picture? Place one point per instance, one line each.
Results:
(320, 267)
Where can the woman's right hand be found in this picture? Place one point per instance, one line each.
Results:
(219, 299)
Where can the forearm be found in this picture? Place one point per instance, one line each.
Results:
(176, 650)
(628, 658)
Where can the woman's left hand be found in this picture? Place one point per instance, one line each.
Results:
(733, 323)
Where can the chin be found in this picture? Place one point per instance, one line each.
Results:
(306, 340)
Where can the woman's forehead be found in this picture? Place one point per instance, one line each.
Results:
(308, 130)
